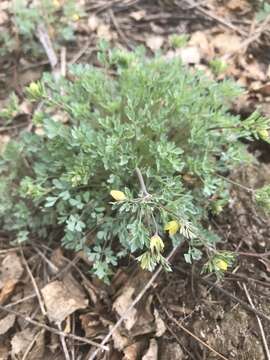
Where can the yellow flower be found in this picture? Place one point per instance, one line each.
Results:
(75, 17)
(118, 195)
(221, 264)
(172, 226)
(56, 3)
(263, 134)
(34, 87)
(156, 243)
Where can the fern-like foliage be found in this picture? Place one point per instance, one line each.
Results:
(93, 129)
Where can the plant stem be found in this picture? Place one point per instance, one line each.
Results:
(142, 183)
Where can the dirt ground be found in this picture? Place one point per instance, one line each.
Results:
(51, 308)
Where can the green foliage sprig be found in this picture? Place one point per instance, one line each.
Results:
(134, 113)
(59, 18)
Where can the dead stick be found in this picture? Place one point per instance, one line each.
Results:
(53, 330)
(259, 323)
(29, 347)
(36, 288)
(64, 345)
(142, 183)
(45, 40)
(119, 30)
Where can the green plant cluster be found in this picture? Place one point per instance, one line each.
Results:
(109, 130)
(263, 12)
(58, 16)
(262, 197)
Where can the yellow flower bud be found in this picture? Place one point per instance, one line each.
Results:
(75, 17)
(156, 243)
(118, 195)
(56, 3)
(221, 264)
(263, 134)
(34, 87)
(172, 226)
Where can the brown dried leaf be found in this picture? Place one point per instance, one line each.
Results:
(93, 22)
(171, 351)
(122, 303)
(201, 41)
(138, 15)
(6, 323)
(120, 341)
(92, 325)
(4, 352)
(21, 340)
(152, 352)
(3, 17)
(57, 258)
(264, 90)
(60, 301)
(238, 5)
(133, 351)
(11, 272)
(37, 352)
(139, 319)
(5, 5)
(11, 268)
(190, 55)
(154, 42)
(29, 75)
(253, 71)
(104, 32)
(7, 290)
(4, 139)
(226, 43)
(160, 325)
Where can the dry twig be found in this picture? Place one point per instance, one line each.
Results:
(29, 347)
(63, 61)
(53, 330)
(119, 30)
(45, 40)
(64, 345)
(142, 183)
(37, 291)
(259, 323)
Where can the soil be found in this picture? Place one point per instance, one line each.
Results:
(184, 314)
